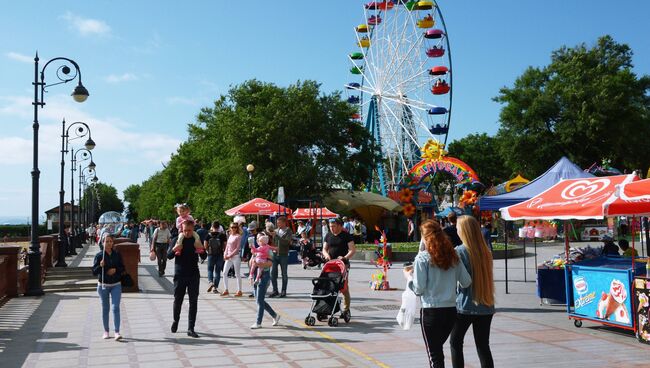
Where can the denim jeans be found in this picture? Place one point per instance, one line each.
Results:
(114, 293)
(215, 266)
(283, 261)
(260, 294)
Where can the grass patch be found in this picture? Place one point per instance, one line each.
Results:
(502, 246)
(396, 247)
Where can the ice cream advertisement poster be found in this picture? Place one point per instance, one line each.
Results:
(603, 295)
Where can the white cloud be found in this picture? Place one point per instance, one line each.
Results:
(19, 57)
(87, 26)
(126, 77)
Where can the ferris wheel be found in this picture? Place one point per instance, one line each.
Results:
(404, 86)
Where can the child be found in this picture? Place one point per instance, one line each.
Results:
(261, 254)
(183, 211)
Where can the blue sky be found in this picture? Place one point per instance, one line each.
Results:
(150, 66)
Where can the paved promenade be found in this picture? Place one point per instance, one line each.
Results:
(64, 330)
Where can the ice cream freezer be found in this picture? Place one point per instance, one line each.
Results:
(601, 290)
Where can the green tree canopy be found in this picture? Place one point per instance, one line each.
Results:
(131, 195)
(105, 199)
(587, 104)
(481, 152)
(295, 137)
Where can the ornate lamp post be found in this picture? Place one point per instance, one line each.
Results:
(80, 94)
(80, 131)
(82, 182)
(85, 155)
(250, 168)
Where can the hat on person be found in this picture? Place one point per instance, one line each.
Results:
(252, 225)
(337, 220)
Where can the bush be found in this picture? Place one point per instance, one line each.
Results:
(20, 230)
(396, 247)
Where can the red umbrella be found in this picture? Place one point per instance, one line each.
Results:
(311, 213)
(257, 206)
(632, 198)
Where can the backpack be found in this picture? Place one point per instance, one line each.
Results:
(215, 245)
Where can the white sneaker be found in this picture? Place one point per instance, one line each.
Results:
(276, 320)
(255, 326)
(105, 336)
(118, 337)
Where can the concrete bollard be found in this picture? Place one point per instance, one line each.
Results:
(46, 258)
(11, 251)
(131, 257)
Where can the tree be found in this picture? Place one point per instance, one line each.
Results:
(131, 195)
(587, 104)
(481, 153)
(105, 199)
(295, 137)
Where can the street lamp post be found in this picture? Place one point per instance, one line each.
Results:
(250, 168)
(82, 224)
(86, 154)
(80, 94)
(80, 131)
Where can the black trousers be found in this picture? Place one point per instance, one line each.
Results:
(436, 324)
(481, 328)
(161, 256)
(181, 284)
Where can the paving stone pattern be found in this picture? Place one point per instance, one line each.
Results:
(64, 329)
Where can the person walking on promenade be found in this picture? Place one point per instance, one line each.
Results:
(435, 275)
(474, 304)
(214, 245)
(186, 277)
(282, 240)
(259, 291)
(232, 258)
(452, 231)
(108, 267)
(339, 244)
(160, 242)
(134, 234)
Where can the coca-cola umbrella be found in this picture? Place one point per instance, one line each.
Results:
(313, 213)
(258, 206)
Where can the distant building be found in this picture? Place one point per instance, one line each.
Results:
(53, 215)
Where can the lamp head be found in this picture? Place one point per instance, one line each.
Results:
(94, 179)
(92, 165)
(250, 168)
(80, 93)
(90, 144)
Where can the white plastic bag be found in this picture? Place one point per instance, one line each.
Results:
(408, 310)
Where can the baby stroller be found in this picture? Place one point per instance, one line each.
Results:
(326, 301)
(310, 256)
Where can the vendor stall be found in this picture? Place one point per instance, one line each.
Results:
(598, 290)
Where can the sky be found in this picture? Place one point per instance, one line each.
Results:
(150, 66)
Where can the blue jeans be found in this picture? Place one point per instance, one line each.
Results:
(215, 266)
(115, 295)
(260, 294)
(283, 261)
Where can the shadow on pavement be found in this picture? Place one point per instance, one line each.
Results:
(22, 321)
(188, 340)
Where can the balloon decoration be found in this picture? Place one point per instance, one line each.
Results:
(538, 229)
(379, 280)
(468, 198)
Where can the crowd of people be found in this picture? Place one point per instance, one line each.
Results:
(452, 273)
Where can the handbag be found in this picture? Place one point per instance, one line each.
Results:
(126, 280)
(152, 256)
(407, 311)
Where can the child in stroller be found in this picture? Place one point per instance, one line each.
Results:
(326, 301)
(310, 256)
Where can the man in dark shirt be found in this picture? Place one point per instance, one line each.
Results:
(186, 277)
(282, 240)
(451, 230)
(339, 245)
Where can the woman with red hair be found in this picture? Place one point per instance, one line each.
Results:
(436, 273)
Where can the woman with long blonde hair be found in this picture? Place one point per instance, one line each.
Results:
(437, 271)
(475, 304)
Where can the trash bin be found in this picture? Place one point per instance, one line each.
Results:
(131, 257)
(293, 257)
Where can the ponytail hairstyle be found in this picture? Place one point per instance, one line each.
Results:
(438, 245)
(480, 259)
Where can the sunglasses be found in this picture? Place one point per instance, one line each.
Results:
(234, 227)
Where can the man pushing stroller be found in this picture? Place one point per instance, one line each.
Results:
(339, 245)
